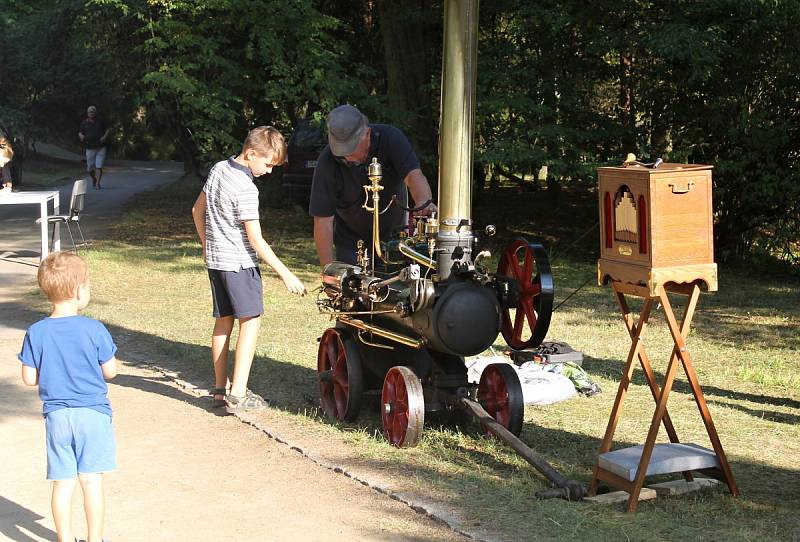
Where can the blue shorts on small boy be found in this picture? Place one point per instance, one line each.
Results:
(79, 441)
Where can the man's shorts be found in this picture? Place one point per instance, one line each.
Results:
(237, 293)
(79, 441)
(95, 158)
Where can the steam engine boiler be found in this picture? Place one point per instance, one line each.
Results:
(412, 308)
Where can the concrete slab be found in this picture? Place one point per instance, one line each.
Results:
(680, 487)
(615, 497)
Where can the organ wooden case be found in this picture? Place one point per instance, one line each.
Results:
(656, 225)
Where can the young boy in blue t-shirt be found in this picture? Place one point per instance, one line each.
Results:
(70, 357)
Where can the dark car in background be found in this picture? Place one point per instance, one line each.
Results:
(303, 148)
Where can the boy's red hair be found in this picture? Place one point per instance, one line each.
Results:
(60, 275)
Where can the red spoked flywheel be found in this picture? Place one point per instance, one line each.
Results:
(526, 320)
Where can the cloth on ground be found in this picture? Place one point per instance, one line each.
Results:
(583, 383)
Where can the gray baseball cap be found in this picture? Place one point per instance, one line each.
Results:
(346, 127)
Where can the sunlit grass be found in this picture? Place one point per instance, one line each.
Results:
(150, 287)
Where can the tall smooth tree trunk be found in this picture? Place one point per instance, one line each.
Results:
(625, 104)
(408, 73)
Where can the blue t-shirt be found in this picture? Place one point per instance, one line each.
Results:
(68, 353)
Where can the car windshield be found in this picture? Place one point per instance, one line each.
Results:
(307, 136)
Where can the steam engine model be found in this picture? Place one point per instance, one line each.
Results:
(412, 308)
(406, 330)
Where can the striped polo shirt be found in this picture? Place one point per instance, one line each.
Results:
(231, 199)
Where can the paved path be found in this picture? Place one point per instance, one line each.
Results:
(185, 473)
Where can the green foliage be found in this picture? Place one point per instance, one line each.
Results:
(562, 84)
(212, 70)
(707, 82)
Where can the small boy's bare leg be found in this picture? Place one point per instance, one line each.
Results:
(93, 504)
(245, 351)
(61, 503)
(220, 343)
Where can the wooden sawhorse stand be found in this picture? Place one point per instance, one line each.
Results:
(633, 484)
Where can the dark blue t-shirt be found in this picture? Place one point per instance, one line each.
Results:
(93, 130)
(338, 190)
(68, 353)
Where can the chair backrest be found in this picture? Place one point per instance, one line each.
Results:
(76, 200)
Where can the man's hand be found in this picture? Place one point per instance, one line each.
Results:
(293, 284)
(428, 210)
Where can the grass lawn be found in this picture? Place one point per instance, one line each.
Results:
(150, 287)
(41, 173)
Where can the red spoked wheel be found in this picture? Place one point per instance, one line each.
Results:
(500, 394)
(526, 320)
(340, 376)
(402, 407)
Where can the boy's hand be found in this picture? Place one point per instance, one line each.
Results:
(293, 284)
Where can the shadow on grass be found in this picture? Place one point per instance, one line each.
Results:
(612, 369)
(495, 479)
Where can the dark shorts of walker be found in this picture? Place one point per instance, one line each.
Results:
(237, 293)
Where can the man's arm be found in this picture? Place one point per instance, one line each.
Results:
(105, 135)
(109, 368)
(30, 376)
(199, 216)
(323, 239)
(264, 251)
(420, 190)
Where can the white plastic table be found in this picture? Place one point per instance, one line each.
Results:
(40, 197)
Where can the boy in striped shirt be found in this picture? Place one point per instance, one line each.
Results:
(227, 220)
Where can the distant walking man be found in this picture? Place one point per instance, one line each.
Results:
(93, 133)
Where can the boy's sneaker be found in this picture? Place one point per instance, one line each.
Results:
(249, 402)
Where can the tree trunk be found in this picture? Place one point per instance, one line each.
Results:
(408, 76)
(625, 104)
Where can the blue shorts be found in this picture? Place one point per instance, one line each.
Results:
(237, 293)
(79, 441)
(95, 158)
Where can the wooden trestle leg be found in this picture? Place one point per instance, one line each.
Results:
(660, 395)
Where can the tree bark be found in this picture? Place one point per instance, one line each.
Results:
(408, 74)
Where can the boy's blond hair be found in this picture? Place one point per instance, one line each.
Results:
(266, 141)
(6, 152)
(60, 275)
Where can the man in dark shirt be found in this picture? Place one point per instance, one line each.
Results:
(93, 133)
(337, 192)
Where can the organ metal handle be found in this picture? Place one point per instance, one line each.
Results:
(679, 190)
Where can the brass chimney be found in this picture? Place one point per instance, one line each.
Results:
(456, 127)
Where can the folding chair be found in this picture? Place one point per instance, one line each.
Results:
(76, 204)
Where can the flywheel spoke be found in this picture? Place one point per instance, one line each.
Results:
(526, 275)
(519, 319)
(530, 313)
